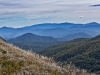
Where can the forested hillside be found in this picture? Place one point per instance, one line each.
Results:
(84, 53)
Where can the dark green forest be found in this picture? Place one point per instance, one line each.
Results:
(84, 53)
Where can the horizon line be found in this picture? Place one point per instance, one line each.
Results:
(48, 23)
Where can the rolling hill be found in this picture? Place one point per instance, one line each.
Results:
(34, 42)
(15, 61)
(84, 53)
(76, 35)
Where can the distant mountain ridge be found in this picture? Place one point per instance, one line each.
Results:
(57, 30)
(76, 35)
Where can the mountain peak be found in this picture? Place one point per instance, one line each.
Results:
(30, 37)
(28, 34)
(5, 27)
(92, 23)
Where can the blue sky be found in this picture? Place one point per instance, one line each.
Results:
(20, 13)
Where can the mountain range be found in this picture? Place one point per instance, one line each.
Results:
(30, 41)
(52, 29)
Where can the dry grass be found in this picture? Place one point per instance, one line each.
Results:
(15, 61)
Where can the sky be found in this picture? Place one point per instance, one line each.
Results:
(20, 13)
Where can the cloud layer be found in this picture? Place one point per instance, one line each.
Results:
(19, 13)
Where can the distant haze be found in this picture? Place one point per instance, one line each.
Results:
(20, 13)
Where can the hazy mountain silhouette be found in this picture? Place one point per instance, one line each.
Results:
(52, 29)
(30, 41)
(76, 35)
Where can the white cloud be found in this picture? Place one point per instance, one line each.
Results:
(47, 11)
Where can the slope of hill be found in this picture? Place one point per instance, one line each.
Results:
(84, 53)
(33, 42)
(76, 35)
(15, 61)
